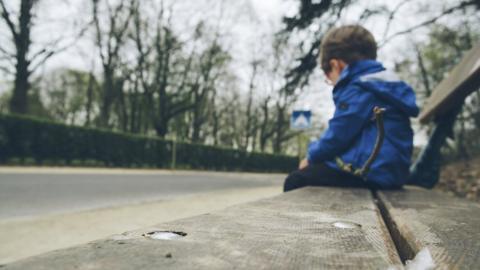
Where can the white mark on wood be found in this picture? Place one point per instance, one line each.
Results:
(346, 225)
(163, 235)
(422, 261)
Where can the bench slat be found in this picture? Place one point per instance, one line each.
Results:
(449, 227)
(294, 230)
(461, 81)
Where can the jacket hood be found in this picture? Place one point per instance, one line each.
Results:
(372, 76)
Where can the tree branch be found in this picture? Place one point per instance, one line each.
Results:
(430, 21)
(46, 53)
(392, 16)
(98, 31)
(45, 49)
(6, 70)
(180, 107)
(6, 17)
(119, 35)
(5, 52)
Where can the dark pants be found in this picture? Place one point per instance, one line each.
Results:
(322, 175)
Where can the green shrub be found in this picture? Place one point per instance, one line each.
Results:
(25, 138)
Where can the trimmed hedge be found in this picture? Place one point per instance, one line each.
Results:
(23, 137)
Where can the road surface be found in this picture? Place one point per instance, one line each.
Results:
(26, 192)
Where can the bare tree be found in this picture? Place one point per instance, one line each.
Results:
(90, 93)
(109, 42)
(266, 126)
(211, 66)
(162, 70)
(225, 116)
(282, 124)
(172, 99)
(22, 61)
(250, 130)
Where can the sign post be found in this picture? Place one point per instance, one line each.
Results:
(174, 152)
(300, 120)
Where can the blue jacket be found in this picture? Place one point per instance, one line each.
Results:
(352, 131)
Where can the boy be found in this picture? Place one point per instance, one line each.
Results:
(347, 57)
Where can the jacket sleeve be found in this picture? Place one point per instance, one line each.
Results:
(353, 110)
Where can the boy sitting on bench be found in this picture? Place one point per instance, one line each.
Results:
(348, 59)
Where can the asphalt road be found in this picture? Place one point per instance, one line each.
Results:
(37, 192)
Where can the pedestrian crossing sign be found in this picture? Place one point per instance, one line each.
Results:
(301, 120)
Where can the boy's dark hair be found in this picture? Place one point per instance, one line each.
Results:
(349, 43)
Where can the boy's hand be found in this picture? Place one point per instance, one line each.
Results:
(303, 164)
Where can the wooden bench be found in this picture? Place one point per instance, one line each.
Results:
(310, 228)
(452, 91)
(448, 227)
(297, 229)
(442, 108)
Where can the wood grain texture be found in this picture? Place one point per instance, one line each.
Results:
(291, 231)
(449, 227)
(460, 82)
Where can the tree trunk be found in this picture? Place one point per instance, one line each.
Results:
(18, 103)
(265, 131)
(423, 72)
(161, 128)
(197, 111)
(89, 98)
(108, 97)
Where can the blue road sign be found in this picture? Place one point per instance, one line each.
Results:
(301, 120)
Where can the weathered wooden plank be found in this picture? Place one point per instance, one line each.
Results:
(295, 230)
(449, 227)
(461, 81)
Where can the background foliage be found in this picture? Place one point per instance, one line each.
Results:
(44, 142)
